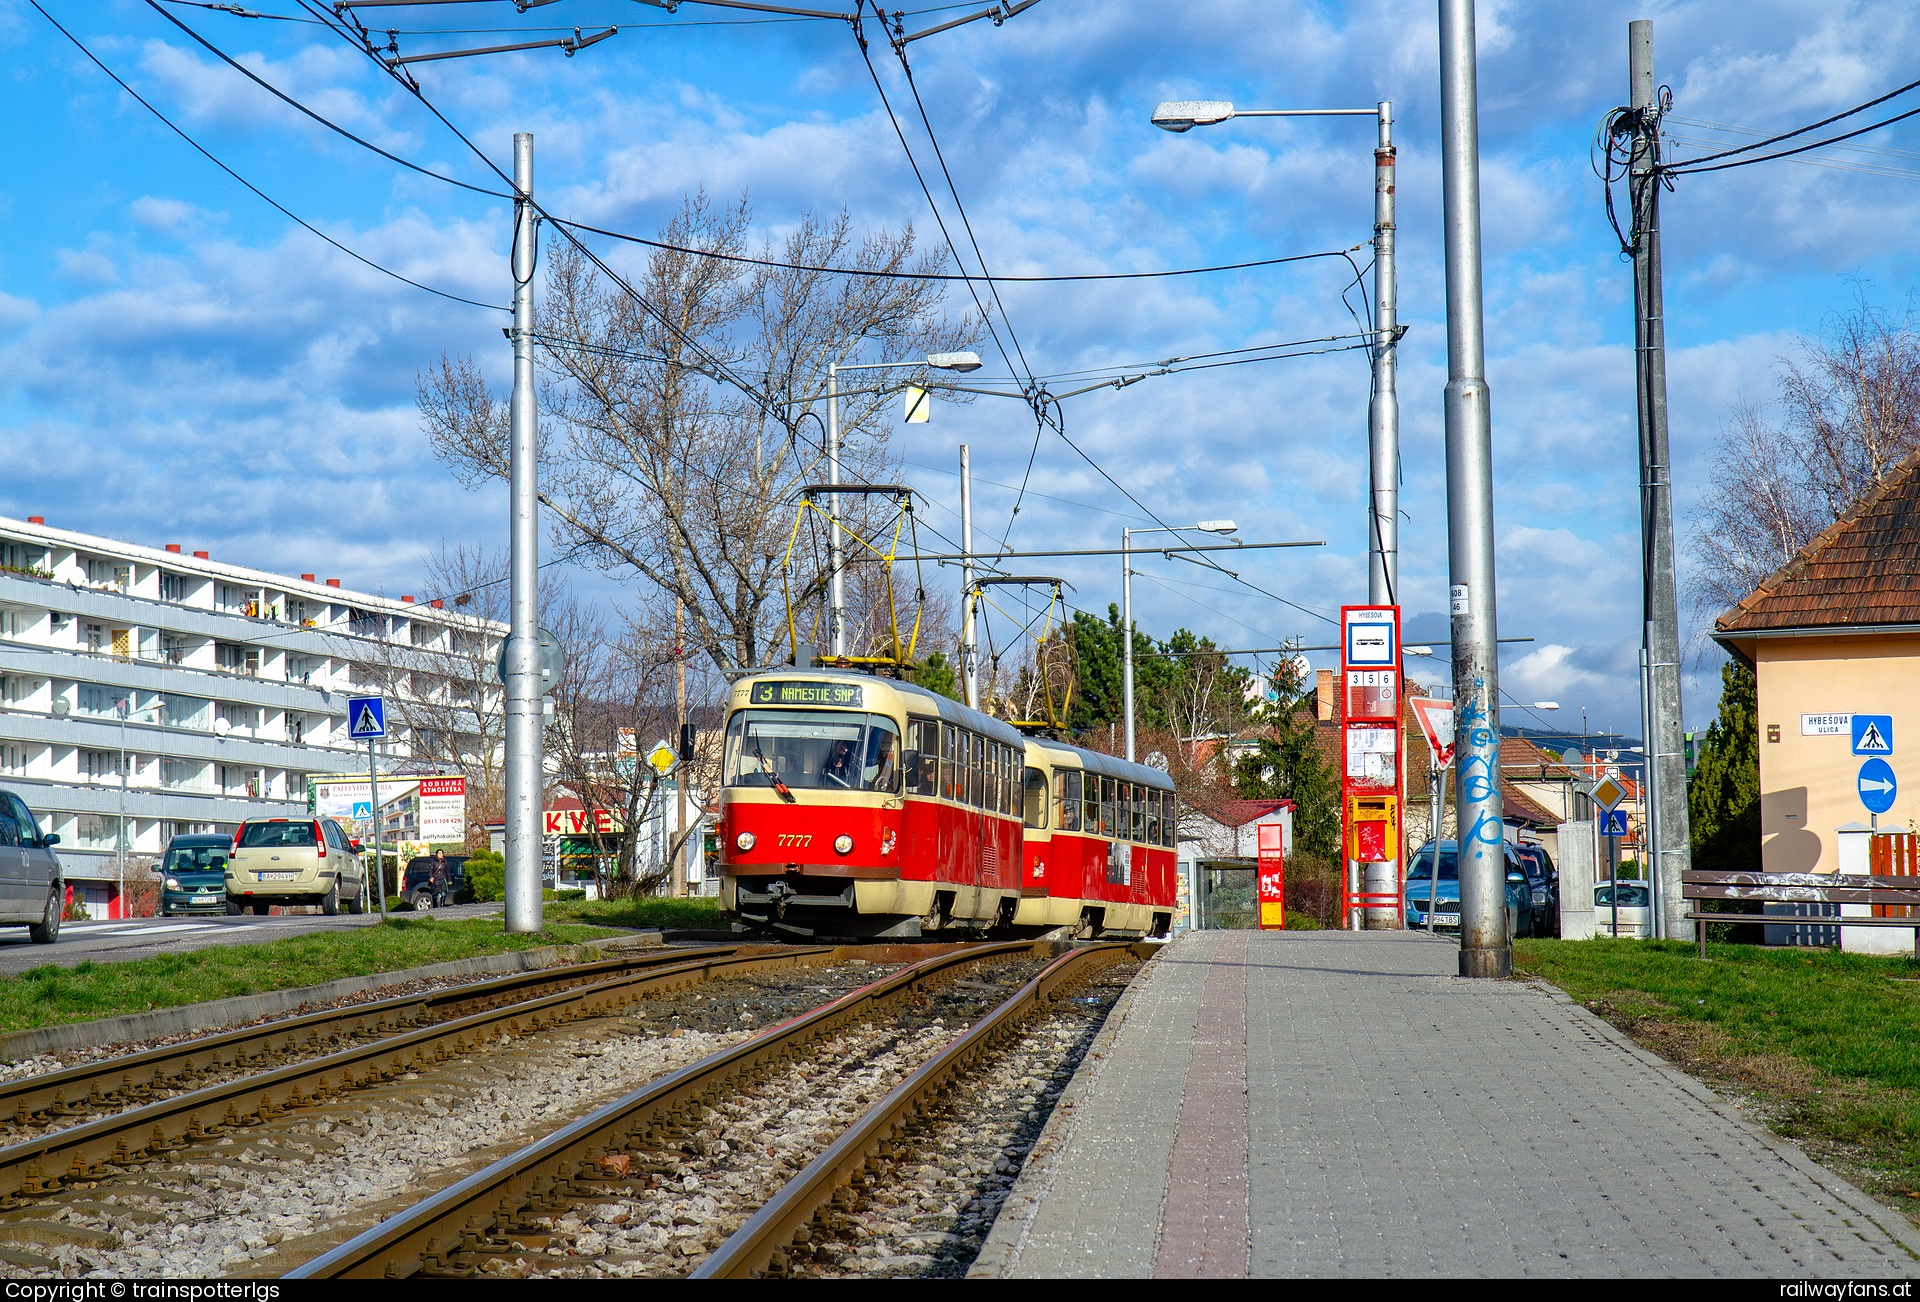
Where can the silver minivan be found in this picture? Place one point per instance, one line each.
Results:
(31, 891)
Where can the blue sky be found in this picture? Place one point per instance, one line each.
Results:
(179, 363)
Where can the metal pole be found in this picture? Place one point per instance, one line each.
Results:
(1126, 632)
(1649, 796)
(836, 593)
(680, 776)
(124, 706)
(379, 863)
(524, 718)
(1484, 950)
(1666, 760)
(1383, 413)
(969, 654)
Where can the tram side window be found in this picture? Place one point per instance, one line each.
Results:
(1009, 780)
(1170, 823)
(1108, 822)
(976, 768)
(1066, 786)
(1090, 805)
(1140, 794)
(1153, 816)
(923, 752)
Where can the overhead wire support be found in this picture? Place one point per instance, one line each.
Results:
(570, 45)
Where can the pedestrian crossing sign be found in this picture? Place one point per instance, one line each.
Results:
(366, 717)
(1873, 734)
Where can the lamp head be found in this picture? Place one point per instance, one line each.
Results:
(1546, 705)
(961, 362)
(1218, 526)
(1177, 115)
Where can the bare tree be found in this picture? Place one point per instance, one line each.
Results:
(1848, 412)
(655, 468)
(615, 682)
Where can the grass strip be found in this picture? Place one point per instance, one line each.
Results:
(1824, 1044)
(52, 995)
(700, 912)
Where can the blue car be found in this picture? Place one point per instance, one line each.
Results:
(1445, 892)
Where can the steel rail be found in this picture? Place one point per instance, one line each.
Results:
(34, 1167)
(86, 1089)
(758, 1247)
(448, 1233)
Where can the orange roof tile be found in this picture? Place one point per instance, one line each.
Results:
(1860, 572)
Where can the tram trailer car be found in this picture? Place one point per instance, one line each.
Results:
(859, 806)
(1100, 836)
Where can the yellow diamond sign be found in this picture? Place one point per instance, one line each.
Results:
(662, 758)
(1608, 792)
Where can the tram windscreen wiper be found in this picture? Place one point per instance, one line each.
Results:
(778, 786)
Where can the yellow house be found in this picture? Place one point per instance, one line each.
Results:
(1834, 638)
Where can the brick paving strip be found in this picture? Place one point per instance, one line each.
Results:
(1399, 1121)
(1204, 1232)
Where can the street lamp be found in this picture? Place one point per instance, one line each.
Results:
(836, 596)
(1383, 409)
(1225, 528)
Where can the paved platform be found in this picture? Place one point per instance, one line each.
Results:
(1338, 1103)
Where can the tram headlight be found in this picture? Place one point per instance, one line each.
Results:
(843, 844)
(744, 841)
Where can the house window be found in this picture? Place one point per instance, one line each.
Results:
(183, 712)
(20, 558)
(99, 765)
(173, 587)
(14, 623)
(95, 637)
(95, 831)
(13, 760)
(173, 648)
(100, 702)
(236, 659)
(181, 773)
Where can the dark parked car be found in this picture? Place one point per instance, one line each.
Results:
(193, 876)
(1445, 890)
(30, 887)
(435, 881)
(1543, 879)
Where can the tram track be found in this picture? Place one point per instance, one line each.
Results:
(642, 1185)
(383, 1043)
(239, 1199)
(31, 1104)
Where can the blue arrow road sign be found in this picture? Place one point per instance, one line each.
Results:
(366, 717)
(1873, 734)
(1613, 822)
(1877, 786)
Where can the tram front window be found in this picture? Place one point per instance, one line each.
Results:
(814, 750)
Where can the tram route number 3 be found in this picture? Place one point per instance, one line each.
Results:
(796, 838)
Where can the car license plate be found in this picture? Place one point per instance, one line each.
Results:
(205, 899)
(1446, 919)
(278, 877)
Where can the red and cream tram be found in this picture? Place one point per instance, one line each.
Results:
(859, 806)
(855, 806)
(1101, 838)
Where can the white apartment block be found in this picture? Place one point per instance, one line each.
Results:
(225, 686)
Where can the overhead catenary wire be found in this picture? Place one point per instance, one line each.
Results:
(277, 206)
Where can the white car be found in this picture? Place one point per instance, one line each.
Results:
(1635, 915)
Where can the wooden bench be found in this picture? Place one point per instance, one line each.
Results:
(1894, 897)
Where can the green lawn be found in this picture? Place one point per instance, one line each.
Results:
(1827, 1043)
(698, 913)
(50, 995)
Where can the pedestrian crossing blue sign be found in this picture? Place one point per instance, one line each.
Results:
(1873, 734)
(1613, 822)
(362, 809)
(366, 717)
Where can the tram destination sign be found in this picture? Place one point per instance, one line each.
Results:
(786, 693)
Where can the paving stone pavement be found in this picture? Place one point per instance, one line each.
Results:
(1393, 1119)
